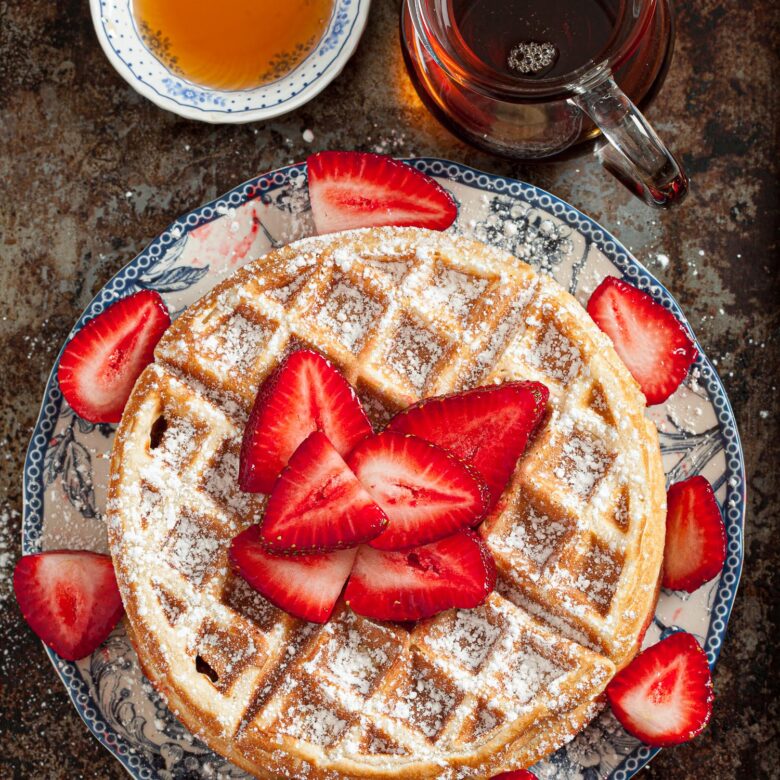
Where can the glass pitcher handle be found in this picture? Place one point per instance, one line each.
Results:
(635, 155)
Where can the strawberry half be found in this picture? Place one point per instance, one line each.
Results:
(517, 774)
(487, 427)
(69, 598)
(695, 535)
(100, 364)
(664, 696)
(425, 492)
(306, 586)
(653, 344)
(455, 572)
(306, 393)
(351, 190)
(318, 505)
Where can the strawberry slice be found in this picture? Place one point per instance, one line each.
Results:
(306, 393)
(454, 572)
(351, 190)
(695, 535)
(664, 696)
(318, 505)
(653, 344)
(425, 492)
(487, 427)
(100, 364)
(69, 598)
(517, 774)
(306, 586)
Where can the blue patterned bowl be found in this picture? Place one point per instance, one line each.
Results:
(126, 50)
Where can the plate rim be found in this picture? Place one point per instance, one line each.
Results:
(619, 255)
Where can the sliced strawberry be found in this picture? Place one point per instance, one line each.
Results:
(664, 696)
(355, 190)
(306, 393)
(426, 492)
(100, 364)
(487, 427)
(695, 535)
(306, 586)
(517, 774)
(318, 505)
(649, 339)
(70, 599)
(414, 584)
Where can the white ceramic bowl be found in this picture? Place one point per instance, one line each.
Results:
(121, 41)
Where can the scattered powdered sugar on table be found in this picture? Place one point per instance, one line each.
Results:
(8, 547)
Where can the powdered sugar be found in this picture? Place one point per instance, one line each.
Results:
(349, 313)
(469, 640)
(584, 460)
(537, 536)
(555, 354)
(315, 721)
(178, 443)
(192, 547)
(454, 291)
(237, 344)
(425, 700)
(414, 353)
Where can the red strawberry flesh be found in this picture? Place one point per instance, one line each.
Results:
(695, 535)
(425, 492)
(414, 584)
(517, 774)
(100, 364)
(69, 598)
(306, 586)
(664, 696)
(318, 504)
(649, 339)
(487, 427)
(306, 393)
(351, 190)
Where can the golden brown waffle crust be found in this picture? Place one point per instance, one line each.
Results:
(578, 536)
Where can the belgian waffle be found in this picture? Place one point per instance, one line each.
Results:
(577, 536)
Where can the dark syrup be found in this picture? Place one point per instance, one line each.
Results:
(536, 38)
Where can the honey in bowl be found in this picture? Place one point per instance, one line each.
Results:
(239, 44)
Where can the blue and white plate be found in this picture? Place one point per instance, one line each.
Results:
(133, 59)
(66, 467)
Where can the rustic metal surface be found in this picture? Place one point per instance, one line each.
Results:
(90, 171)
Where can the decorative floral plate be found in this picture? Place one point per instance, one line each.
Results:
(66, 468)
(133, 56)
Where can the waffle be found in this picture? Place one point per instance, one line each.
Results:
(577, 536)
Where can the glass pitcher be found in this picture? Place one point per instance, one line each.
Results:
(537, 117)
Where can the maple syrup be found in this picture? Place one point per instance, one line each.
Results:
(240, 44)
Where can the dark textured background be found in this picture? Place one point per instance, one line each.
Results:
(90, 172)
